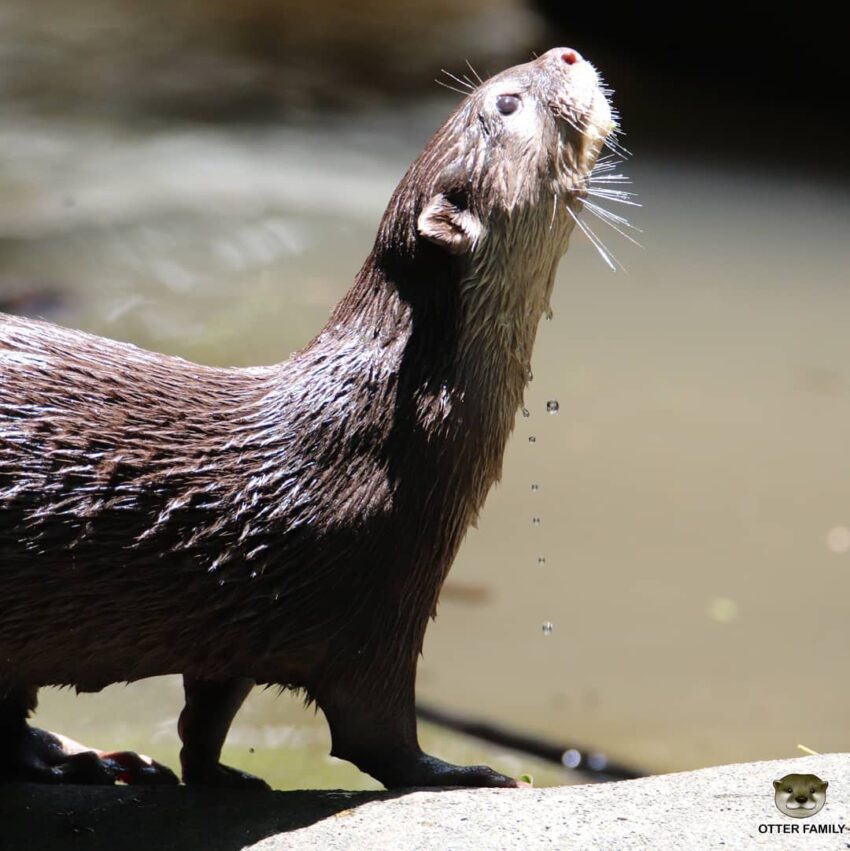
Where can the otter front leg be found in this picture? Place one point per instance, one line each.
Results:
(210, 707)
(377, 732)
(39, 756)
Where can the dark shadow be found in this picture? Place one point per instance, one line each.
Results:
(105, 818)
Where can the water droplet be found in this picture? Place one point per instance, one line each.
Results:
(548, 628)
(535, 487)
(571, 758)
(530, 375)
(526, 413)
(838, 539)
(254, 574)
(552, 407)
(722, 609)
(541, 560)
(550, 314)
(532, 439)
(535, 521)
(597, 761)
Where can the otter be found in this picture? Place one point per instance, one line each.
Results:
(290, 524)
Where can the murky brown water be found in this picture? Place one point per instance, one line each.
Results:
(694, 488)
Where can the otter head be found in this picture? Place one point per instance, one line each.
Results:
(511, 159)
(800, 795)
(494, 195)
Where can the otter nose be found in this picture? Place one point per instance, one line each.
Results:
(801, 799)
(562, 54)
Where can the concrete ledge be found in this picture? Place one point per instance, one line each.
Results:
(728, 807)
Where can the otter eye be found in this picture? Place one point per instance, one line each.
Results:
(506, 104)
(812, 791)
(789, 789)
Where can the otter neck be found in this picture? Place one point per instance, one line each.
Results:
(458, 345)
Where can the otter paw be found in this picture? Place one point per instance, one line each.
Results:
(137, 769)
(44, 757)
(223, 775)
(430, 771)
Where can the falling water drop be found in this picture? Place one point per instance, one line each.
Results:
(571, 758)
(526, 413)
(541, 560)
(535, 521)
(838, 539)
(552, 407)
(535, 487)
(548, 628)
(532, 439)
(597, 761)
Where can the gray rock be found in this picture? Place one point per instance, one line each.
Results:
(729, 807)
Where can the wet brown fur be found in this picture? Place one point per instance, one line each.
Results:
(291, 524)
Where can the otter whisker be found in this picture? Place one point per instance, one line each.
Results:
(617, 195)
(613, 145)
(565, 116)
(450, 88)
(610, 178)
(606, 163)
(465, 83)
(611, 140)
(609, 218)
(606, 89)
(604, 170)
(613, 112)
(611, 137)
(582, 131)
(474, 72)
(596, 242)
(612, 216)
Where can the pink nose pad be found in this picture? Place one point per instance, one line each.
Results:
(570, 56)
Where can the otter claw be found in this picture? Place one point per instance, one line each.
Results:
(139, 770)
(84, 767)
(468, 775)
(224, 775)
(430, 771)
(45, 757)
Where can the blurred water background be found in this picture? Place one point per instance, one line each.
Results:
(206, 182)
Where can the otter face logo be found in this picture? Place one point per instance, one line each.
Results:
(800, 795)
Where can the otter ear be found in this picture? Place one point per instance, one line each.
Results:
(777, 784)
(446, 222)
